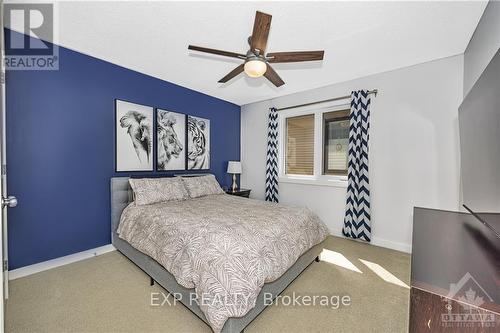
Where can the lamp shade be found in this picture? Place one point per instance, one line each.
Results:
(234, 167)
(255, 68)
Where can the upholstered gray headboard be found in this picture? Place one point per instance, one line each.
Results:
(121, 196)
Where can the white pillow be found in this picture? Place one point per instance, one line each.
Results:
(152, 190)
(202, 186)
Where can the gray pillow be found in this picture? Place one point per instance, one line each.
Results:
(202, 186)
(152, 190)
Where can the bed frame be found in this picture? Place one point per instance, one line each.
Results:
(121, 196)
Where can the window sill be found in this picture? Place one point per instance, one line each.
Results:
(338, 182)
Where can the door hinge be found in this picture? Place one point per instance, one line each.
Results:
(5, 265)
(4, 169)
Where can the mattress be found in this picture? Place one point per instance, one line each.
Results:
(223, 246)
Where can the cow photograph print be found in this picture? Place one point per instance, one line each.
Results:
(198, 143)
(134, 137)
(171, 138)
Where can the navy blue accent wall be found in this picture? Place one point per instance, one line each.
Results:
(60, 149)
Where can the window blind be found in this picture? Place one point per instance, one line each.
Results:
(299, 159)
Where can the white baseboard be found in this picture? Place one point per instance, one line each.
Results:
(43, 266)
(384, 243)
(391, 245)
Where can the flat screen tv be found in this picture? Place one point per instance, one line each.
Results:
(479, 122)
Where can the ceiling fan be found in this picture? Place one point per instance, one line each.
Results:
(256, 61)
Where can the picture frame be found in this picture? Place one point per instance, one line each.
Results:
(170, 140)
(133, 136)
(198, 143)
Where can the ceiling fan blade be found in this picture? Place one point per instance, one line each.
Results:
(272, 76)
(218, 52)
(232, 73)
(277, 57)
(261, 27)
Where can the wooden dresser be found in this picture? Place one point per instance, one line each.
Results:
(455, 274)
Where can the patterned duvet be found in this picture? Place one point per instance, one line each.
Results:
(226, 247)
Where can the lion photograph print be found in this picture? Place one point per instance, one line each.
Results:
(134, 137)
(198, 143)
(171, 138)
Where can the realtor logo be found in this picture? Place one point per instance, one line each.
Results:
(28, 40)
(471, 295)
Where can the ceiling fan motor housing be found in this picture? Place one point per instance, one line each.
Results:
(252, 56)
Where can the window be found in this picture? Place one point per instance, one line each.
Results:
(299, 158)
(335, 142)
(313, 145)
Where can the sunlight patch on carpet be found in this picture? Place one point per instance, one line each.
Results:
(338, 259)
(384, 274)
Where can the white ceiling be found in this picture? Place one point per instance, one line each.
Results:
(359, 39)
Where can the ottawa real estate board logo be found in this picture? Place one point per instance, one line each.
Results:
(466, 313)
(29, 37)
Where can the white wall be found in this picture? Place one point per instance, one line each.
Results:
(414, 152)
(483, 45)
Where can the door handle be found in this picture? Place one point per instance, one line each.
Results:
(10, 201)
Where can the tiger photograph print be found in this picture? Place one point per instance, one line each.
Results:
(198, 143)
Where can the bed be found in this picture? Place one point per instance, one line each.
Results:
(175, 282)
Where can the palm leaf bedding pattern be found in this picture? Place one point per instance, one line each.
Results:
(223, 246)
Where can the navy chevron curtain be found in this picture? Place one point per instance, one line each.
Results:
(357, 215)
(272, 157)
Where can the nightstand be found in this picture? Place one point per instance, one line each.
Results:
(241, 192)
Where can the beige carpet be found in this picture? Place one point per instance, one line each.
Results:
(110, 294)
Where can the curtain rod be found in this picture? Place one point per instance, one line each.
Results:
(374, 92)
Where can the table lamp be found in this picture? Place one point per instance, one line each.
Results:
(234, 167)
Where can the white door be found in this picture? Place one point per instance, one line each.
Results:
(5, 201)
(5, 285)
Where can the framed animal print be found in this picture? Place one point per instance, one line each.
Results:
(171, 140)
(198, 143)
(134, 136)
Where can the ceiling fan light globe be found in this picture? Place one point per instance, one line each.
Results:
(255, 68)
